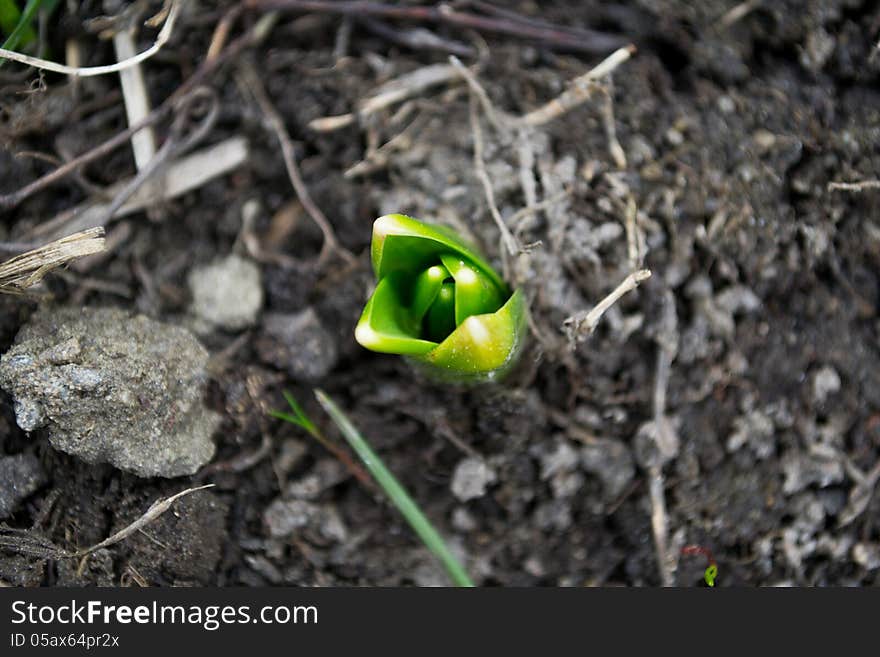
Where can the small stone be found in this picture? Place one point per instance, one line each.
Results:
(299, 344)
(284, 517)
(826, 382)
(470, 479)
(287, 517)
(562, 459)
(463, 520)
(755, 429)
(290, 455)
(553, 516)
(101, 383)
(726, 104)
(20, 475)
(818, 49)
(227, 293)
(656, 442)
(611, 462)
(802, 470)
(867, 555)
(326, 474)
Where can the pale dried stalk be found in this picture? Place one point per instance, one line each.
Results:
(90, 71)
(392, 92)
(137, 101)
(510, 242)
(738, 13)
(156, 509)
(579, 91)
(667, 441)
(183, 175)
(853, 186)
(500, 121)
(27, 269)
(583, 324)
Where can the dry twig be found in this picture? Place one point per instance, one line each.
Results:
(89, 71)
(664, 436)
(252, 82)
(26, 270)
(394, 91)
(567, 38)
(510, 242)
(253, 36)
(182, 175)
(579, 90)
(853, 186)
(156, 509)
(581, 325)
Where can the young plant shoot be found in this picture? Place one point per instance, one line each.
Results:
(440, 304)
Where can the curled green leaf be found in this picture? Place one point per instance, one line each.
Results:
(438, 302)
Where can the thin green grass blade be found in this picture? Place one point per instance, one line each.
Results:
(301, 419)
(23, 31)
(10, 14)
(410, 510)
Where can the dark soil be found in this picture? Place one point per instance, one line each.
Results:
(732, 134)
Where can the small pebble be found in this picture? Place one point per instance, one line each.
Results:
(227, 293)
(470, 479)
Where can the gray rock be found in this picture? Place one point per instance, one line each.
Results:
(562, 458)
(470, 479)
(802, 470)
(611, 462)
(20, 475)
(288, 517)
(299, 344)
(112, 387)
(826, 382)
(755, 429)
(867, 555)
(559, 466)
(227, 292)
(284, 517)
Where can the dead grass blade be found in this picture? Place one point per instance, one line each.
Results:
(27, 269)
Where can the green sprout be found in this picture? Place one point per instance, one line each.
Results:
(439, 303)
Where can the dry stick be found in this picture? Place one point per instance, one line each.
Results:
(633, 241)
(576, 39)
(137, 101)
(28, 269)
(209, 66)
(606, 108)
(89, 71)
(393, 91)
(173, 146)
(499, 120)
(853, 186)
(156, 509)
(182, 175)
(665, 355)
(417, 38)
(737, 13)
(252, 81)
(579, 91)
(581, 325)
(512, 244)
(221, 32)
